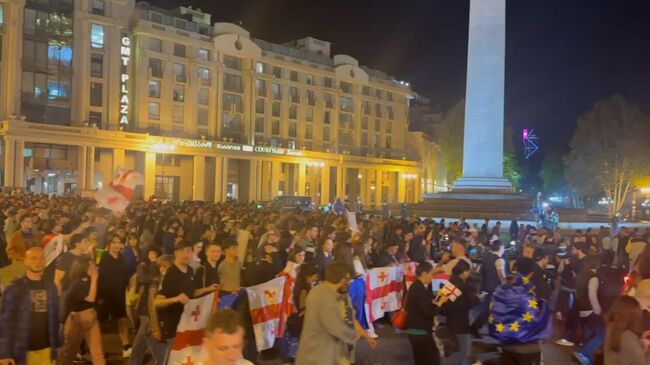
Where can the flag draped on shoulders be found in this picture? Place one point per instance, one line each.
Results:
(384, 290)
(186, 348)
(266, 306)
(517, 315)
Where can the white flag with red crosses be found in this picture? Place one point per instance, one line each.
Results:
(186, 348)
(117, 195)
(384, 290)
(265, 301)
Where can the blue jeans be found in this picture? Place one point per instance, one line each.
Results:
(594, 332)
(143, 341)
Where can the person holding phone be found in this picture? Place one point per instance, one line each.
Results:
(625, 341)
(457, 311)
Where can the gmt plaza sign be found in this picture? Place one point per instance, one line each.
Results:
(239, 147)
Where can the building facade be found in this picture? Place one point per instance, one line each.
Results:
(204, 110)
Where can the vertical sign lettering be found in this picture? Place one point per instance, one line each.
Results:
(125, 54)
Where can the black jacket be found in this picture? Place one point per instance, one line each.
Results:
(419, 307)
(385, 259)
(458, 310)
(417, 252)
(539, 281)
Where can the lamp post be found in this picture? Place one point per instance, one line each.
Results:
(163, 148)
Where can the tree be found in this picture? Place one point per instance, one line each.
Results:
(609, 150)
(452, 130)
(552, 172)
(512, 169)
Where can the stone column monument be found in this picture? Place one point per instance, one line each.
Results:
(484, 101)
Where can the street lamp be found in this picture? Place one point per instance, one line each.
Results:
(163, 148)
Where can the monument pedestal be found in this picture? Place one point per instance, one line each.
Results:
(478, 204)
(485, 185)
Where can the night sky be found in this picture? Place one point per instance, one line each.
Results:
(562, 55)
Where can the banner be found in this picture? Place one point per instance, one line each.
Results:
(186, 348)
(384, 291)
(53, 247)
(265, 301)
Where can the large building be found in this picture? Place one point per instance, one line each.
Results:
(204, 111)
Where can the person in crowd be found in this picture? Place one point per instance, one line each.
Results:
(10, 222)
(457, 311)
(539, 279)
(388, 256)
(79, 250)
(589, 310)
(350, 252)
(272, 236)
(148, 274)
(329, 328)
(29, 316)
(113, 280)
(230, 268)
(267, 267)
(569, 268)
(22, 239)
(197, 249)
(417, 245)
(223, 340)
(177, 288)
(625, 342)
(308, 241)
(458, 253)
(514, 230)
(80, 318)
(324, 256)
(612, 279)
(244, 237)
(131, 254)
(208, 273)
(421, 307)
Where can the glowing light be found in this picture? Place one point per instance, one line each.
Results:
(163, 147)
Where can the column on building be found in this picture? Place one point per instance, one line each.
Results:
(82, 157)
(301, 178)
(417, 189)
(218, 179)
(276, 169)
(149, 174)
(378, 186)
(340, 181)
(9, 150)
(118, 158)
(198, 178)
(224, 180)
(368, 177)
(401, 187)
(255, 177)
(19, 164)
(90, 167)
(325, 184)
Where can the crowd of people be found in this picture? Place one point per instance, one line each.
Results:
(70, 267)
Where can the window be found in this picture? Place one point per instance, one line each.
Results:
(204, 76)
(364, 139)
(259, 106)
(327, 118)
(294, 97)
(156, 17)
(203, 54)
(179, 93)
(377, 140)
(327, 82)
(34, 84)
(277, 72)
(377, 125)
(326, 133)
(346, 87)
(389, 142)
(232, 83)
(378, 110)
(275, 127)
(180, 23)
(179, 50)
(204, 96)
(293, 111)
(275, 109)
(309, 79)
(346, 104)
(96, 36)
(345, 121)
(293, 76)
(95, 94)
(329, 101)
(277, 91)
(154, 89)
(309, 134)
(98, 7)
(389, 112)
(260, 85)
(179, 71)
(2, 14)
(232, 103)
(311, 97)
(96, 65)
(364, 123)
(365, 90)
(389, 96)
(178, 113)
(293, 129)
(260, 67)
(378, 94)
(203, 117)
(154, 111)
(259, 125)
(155, 67)
(309, 114)
(154, 45)
(365, 107)
(389, 127)
(231, 62)
(95, 118)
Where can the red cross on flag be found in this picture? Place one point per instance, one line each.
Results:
(186, 348)
(409, 273)
(110, 198)
(117, 195)
(266, 304)
(451, 291)
(384, 291)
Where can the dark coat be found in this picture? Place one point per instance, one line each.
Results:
(419, 307)
(458, 310)
(14, 320)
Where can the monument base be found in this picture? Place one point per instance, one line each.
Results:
(483, 185)
(478, 204)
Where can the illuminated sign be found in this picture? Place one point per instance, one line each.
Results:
(195, 143)
(249, 148)
(125, 54)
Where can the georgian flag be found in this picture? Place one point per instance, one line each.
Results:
(384, 291)
(266, 305)
(451, 291)
(53, 246)
(439, 281)
(125, 181)
(186, 349)
(409, 273)
(110, 198)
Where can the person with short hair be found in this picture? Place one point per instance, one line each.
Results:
(22, 239)
(624, 340)
(29, 316)
(223, 341)
(589, 310)
(330, 329)
(79, 247)
(230, 268)
(208, 273)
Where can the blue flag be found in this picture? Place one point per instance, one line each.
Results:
(357, 292)
(517, 315)
(227, 300)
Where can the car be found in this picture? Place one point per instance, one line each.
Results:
(289, 202)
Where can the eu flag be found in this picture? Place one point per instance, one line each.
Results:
(517, 315)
